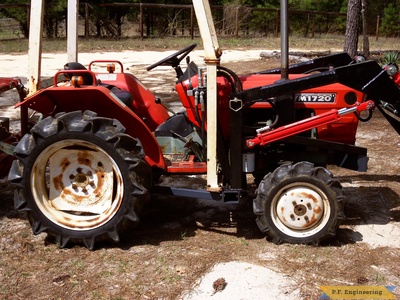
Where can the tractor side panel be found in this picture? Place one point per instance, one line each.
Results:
(100, 100)
(318, 100)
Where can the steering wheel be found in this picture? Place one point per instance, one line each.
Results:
(174, 59)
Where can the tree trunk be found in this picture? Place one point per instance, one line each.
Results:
(364, 13)
(353, 23)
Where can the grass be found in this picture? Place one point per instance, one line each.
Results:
(391, 57)
(319, 42)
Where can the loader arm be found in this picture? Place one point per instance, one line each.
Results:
(317, 64)
(367, 77)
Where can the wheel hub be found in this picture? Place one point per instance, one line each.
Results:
(80, 181)
(300, 208)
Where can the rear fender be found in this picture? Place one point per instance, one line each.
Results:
(99, 99)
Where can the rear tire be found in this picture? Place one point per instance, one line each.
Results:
(299, 204)
(79, 178)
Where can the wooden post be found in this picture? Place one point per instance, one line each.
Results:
(35, 45)
(182, 23)
(377, 27)
(141, 20)
(313, 26)
(87, 33)
(212, 53)
(307, 25)
(237, 21)
(72, 31)
(191, 22)
(28, 18)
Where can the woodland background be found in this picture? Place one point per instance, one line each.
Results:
(256, 18)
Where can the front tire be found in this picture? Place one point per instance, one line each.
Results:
(299, 204)
(79, 178)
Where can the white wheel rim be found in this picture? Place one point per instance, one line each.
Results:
(300, 210)
(76, 185)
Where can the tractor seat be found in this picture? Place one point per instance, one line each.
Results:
(125, 96)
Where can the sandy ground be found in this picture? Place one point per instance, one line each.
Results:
(254, 286)
(17, 64)
(244, 281)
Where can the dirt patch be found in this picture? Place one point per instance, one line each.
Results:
(181, 240)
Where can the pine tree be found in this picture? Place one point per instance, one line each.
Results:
(352, 27)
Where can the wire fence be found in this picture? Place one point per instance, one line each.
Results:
(10, 29)
(123, 20)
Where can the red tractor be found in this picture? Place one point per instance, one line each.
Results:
(90, 156)
(92, 159)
